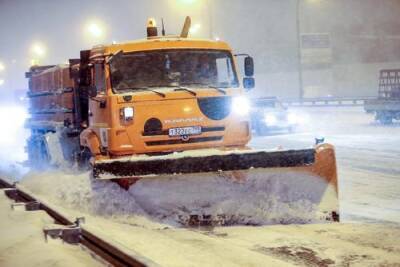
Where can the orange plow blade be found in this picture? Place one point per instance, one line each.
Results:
(233, 187)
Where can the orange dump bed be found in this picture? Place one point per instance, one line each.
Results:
(51, 93)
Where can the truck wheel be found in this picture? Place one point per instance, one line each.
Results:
(84, 159)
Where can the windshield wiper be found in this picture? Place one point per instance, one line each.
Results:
(219, 89)
(185, 89)
(144, 89)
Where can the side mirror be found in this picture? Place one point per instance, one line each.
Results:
(249, 66)
(92, 91)
(249, 83)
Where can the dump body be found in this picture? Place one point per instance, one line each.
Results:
(387, 106)
(51, 93)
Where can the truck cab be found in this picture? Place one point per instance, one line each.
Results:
(159, 95)
(163, 95)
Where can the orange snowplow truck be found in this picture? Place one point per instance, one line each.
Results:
(163, 106)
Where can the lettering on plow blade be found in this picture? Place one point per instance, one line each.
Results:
(199, 164)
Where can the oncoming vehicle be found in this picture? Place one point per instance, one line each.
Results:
(269, 115)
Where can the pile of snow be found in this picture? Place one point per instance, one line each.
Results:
(264, 198)
(77, 191)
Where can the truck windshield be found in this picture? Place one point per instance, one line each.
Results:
(172, 68)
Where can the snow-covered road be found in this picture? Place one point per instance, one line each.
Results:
(369, 182)
(368, 157)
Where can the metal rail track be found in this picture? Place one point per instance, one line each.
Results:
(107, 251)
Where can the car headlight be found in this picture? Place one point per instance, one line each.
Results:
(293, 118)
(127, 113)
(297, 118)
(270, 119)
(241, 105)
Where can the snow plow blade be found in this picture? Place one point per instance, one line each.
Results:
(310, 173)
(214, 161)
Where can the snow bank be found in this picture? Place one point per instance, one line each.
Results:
(264, 198)
(78, 192)
(22, 241)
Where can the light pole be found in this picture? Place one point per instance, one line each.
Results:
(2, 68)
(210, 19)
(299, 57)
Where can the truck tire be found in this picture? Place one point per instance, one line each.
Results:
(84, 159)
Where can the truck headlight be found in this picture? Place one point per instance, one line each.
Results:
(127, 113)
(270, 119)
(241, 105)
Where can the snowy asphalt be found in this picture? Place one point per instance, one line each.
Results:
(368, 157)
(369, 177)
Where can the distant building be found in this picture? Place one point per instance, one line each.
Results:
(344, 43)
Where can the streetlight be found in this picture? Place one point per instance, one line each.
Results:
(195, 28)
(38, 51)
(187, 2)
(299, 57)
(1, 82)
(95, 30)
(2, 67)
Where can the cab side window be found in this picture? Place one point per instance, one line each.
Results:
(99, 78)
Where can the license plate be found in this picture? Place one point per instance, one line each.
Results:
(193, 130)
